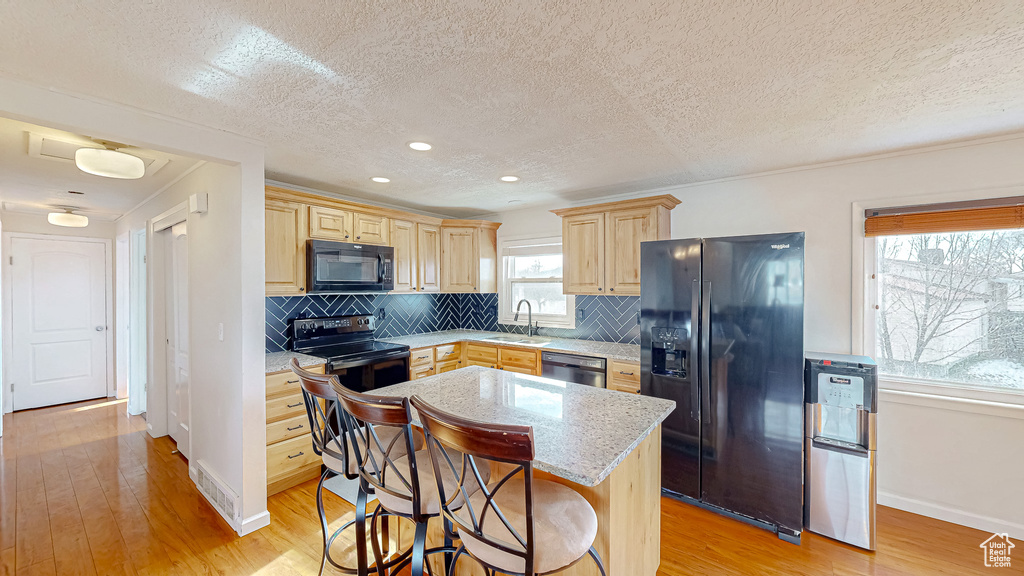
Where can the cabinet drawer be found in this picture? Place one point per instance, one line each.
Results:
(448, 352)
(488, 354)
(286, 429)
(448, 366)
(520, 369)
(624, 386)
(287, 382)
(481, 363)
(286, 457)
(625, 372)
(421, 357)
(520, 358)
(417, 372)
(284, 407)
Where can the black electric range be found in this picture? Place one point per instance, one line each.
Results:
(347, 345)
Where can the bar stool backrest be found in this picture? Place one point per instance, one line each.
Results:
(326, 425)
(376, 458)
(509, 444)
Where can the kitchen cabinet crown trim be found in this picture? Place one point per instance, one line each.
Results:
(278, 193)
(666, 201)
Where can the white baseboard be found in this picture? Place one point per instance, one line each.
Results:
(254, 523)
(954, 515)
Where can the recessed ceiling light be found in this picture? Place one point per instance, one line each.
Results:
(381, 179)
(510, 178)
(421, 146)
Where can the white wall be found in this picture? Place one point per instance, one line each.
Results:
(941, 456)
(229, 414)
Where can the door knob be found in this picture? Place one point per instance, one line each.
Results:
(100, 328)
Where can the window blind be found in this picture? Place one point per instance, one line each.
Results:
(937, 218)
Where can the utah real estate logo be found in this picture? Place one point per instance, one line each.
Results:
(997, 550)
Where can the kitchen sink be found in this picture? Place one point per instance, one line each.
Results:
(518, 339)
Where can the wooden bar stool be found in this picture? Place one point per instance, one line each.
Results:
(331, 442)
(517, 525)
(404, 486)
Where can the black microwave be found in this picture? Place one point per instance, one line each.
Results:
(343, 268)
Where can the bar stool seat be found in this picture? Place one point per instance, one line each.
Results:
(386, 435)
(430, 500)
(565, 525)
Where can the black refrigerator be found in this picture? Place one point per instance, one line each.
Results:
(722, 334)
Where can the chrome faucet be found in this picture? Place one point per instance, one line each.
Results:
(531, 330)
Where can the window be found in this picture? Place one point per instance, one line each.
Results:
(951, 308)
(532, 270)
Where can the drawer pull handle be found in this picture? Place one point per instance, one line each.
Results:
(295, 428)
(296, 455)
(292, 382)
(422, 357)
(626, 373)
(295, 405)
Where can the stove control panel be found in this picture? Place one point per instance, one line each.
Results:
(316, 327)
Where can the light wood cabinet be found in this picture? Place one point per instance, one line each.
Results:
(624, 377)
(370, 229)
(601, 243)
(469, 256)
(518, 360)
(428, 261)
(583, 254)
(481, 355)
(285, 248)
(432, 255)
(290, 456)
(330, 224)
(403, 239)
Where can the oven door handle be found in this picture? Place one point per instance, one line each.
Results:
(357, 363)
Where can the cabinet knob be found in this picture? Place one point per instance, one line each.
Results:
(302, 289)
(358, 237)
(611, 289)
(599, 289)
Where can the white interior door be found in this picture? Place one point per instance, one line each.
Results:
(176, 298)
(58, 321)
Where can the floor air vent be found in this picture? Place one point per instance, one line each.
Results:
(222, 497)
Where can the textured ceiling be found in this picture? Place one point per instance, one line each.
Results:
(580, 99)
(39, 184)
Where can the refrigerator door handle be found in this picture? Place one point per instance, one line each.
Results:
(694, 325)
(705, 349)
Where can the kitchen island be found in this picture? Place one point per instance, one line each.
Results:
(604, 444)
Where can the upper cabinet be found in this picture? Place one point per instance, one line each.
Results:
(370, 229)
(428, 260)
(403, 239)
(431, 254)
(330, 224)
(469, 256)
(286, 247)
(601, 243)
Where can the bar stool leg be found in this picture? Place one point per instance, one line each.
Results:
(361, 561)
(597, 560)
(323, 516)
(418, 546)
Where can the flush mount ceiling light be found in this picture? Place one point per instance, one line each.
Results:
(68, 219)
(109, 162)
(510, 178)
(381, 179)
(421, 146)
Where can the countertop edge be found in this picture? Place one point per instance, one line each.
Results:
(483, 340)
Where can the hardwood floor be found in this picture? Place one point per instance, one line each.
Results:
(85, 490)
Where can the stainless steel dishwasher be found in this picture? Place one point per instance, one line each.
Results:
(573, 368)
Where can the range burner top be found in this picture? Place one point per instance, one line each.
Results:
(344, 341)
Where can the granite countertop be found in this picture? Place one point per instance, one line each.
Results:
(279, 361)
(609, 350)
(581, 433)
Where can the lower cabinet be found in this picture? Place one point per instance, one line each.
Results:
(421, 363)
(519, 360)
(290, 456)
(624, 377)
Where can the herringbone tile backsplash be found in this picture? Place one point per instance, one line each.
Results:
(605, 318)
